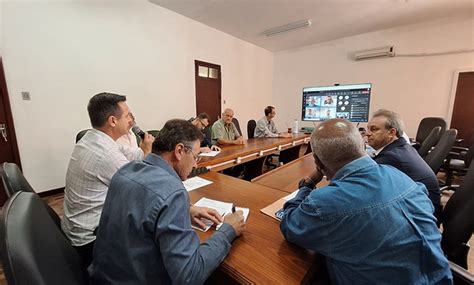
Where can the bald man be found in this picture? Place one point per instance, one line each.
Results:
(224, 132)
(372, 222)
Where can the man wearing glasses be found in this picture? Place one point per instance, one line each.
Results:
(201, 122)
(145, 233)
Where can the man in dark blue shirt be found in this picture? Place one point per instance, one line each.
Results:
(145, 233)
(384, 134)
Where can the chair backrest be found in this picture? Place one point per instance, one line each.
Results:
(237, 125)
(458, 220)
(436, 157)
(426, 125)
(251, 125)
(33, 249)
(14, 181)
(469, 155)
(153, 132)
(430, 141)
(81, 134)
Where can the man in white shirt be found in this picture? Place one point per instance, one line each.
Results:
(129, 146)
(95, 159)
(266, 126)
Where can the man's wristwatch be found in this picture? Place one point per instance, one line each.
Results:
(306, 182)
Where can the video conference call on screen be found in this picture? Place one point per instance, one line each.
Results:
(350, 102)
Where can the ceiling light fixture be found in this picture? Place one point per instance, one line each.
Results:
(287, 28)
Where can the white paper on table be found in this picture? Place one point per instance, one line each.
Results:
(195, 183)
(222, 208)
(291, 196)
(211, 153)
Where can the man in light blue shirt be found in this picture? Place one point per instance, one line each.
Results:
(266, 126)
(373, 223)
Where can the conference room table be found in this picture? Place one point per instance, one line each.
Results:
(261, 255)
(286, 177)
(253, 149)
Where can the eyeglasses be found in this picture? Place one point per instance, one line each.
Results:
(197, 157)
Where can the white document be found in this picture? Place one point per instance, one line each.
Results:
(222, 208)
(195, 183)
(211, 153)
(291, 196)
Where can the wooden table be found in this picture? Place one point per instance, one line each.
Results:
(252, 149)
(286, 177)
(261, 255)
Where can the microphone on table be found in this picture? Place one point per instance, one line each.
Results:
(137, 131)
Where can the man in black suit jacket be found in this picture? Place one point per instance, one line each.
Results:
(384, 134)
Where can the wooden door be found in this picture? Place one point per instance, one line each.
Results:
(8, 146)
(462, 118)
(208, 89)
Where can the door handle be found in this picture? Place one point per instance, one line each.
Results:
(3, 131)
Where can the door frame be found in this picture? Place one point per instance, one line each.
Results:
(8, 114)
(453, 93)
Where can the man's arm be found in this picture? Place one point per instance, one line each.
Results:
(188, 261)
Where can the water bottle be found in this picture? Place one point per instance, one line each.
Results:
(295, 127)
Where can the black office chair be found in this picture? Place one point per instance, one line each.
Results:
(237, 125)
(457, 164)
(153, 132)
(14, 181)
(429, 142)
(81, 134)
(33, 249)
(425, 127)
(437, 156)
(457, 219)
(251, 125)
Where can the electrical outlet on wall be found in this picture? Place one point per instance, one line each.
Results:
(25, 95)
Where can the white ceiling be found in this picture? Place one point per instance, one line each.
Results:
(331, 19)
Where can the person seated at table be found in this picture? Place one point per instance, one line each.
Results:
(384, 134)
(201, 122)
(145, 233)
(266, 126)
(224, 132)
(373, 223)
(94, 160)
(129, 146)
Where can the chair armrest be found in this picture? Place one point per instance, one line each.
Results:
(459, 148)
(462, 274)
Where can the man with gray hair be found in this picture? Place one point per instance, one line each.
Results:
(371, 222)
(384, 134)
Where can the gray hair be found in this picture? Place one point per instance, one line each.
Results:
(393, 120)
(337, 142)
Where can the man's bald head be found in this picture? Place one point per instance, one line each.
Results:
(228, 115)
(335, 143)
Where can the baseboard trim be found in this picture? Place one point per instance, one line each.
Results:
(51, 192)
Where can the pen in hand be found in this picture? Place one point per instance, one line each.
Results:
(233, 209)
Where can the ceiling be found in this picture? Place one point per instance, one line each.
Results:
(331, 19)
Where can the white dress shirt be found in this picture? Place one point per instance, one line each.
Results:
(129, 146)
(94, 160)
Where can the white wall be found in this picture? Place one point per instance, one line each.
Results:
(414, 87)
(63, 53)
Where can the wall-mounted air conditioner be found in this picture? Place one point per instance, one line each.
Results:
(387, 51)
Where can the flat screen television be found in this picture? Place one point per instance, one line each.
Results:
(350, 102)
